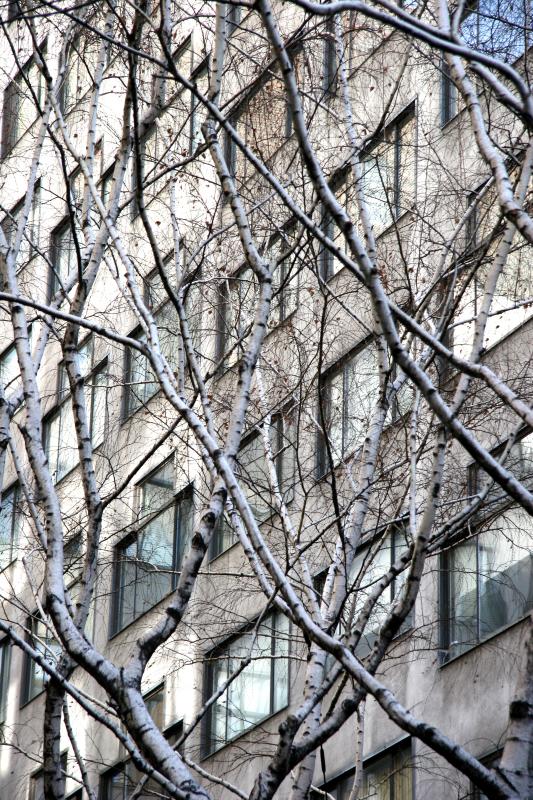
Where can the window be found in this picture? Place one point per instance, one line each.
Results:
(233, 18)
(389, 172)
(371, 563)
(60, 440)
(19, 106)
(260, 690)
(12, 10)
(120, 782)
(487, 582)
(5, 660)
(147, 564)
(151, 152)
(37, 781)
(491, 762)
(9, 368)
(10, 524)
(285, 278)
(348, 395)
(385, 777)
(42, 639)
(500, 28)
(230, 148)
(75, 80)
(197, 115)
(30, 240)
(487, 579)
(63, 256)
(141, 383)
(329, 264)
(330, 66)
(253, 471)
(238, 300)
(448, 94)
(106, 185)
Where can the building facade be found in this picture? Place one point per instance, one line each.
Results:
(138, 340)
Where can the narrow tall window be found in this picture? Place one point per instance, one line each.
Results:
(197, 114)
(61, 443)
(349, 393)
(63, 256)
(260, 690)
(42, 639)
(147, 563)
(141, 383)
(10, 525)
(330, 66)
(233, 18)
(30, 241)
(448, 94)
(5, 660)
(9, 368)
(371, 563)
(389, 173)
(19, 105)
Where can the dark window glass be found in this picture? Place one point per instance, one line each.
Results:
(233, 18)
(370, 565)
(63, 257)
(330, 66)
(448, 94)
(10, 524)
(5, 660)
(260, 690)
(19, 105)
(487, 582)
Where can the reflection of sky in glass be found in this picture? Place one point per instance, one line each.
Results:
(498, 28)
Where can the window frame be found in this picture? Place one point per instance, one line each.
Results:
(15, 522)
(32, 621)
(5, 669)
(54, 279)
(341, 366)
(12, 101)
(184, 497)
(30, 240)
(283, 443)
(63, 404)
(330, 67)
(395, 126)
(222, 650)
(394, 750)
(195, 134)
(446, 570)
(448, 94)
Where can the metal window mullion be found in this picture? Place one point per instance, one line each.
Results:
(226, 726)
(345, 408)
(397, 164)
(272, 663)
(478, 604)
